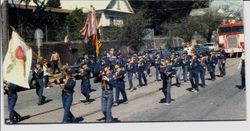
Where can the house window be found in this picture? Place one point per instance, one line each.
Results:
(111, 20)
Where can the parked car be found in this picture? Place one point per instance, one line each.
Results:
(179, 50)
(210, 45)
(152, 53)
(200, 48)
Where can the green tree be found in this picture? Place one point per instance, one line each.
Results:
(159, 11)
(4, 12)
(75, 21)
(203, 25)
(53, 3)
(132, 29)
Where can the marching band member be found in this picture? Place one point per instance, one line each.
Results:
(67, 84)
(39, 83)
(166, 75)
(85, 71)
(120, 84)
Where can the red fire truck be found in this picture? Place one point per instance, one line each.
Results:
(231, 37)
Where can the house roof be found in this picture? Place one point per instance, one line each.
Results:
(98, 5)
(198, 12)
(32, 7)
(85, 4)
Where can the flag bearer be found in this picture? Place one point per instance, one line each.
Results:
(11, 90)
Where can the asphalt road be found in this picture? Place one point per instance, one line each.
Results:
(220, 100)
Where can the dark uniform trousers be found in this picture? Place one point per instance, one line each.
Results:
(185, 72)
(202, 77)
(141, 75)
(202, 71)
(178, 74)
(157, 72)
(12, 98)
(40, 86)
(67, 99)
(242, 72)
(120, 87)
(167, 89)
(212, 61)
(131, 69)
(55, 66)
(130, 79)
(107, 102)
(39, 90)
(222, 56)
(178, 67)
(185, 67)
(85, 88)
(194, 79)
(221, 65)
(107, 98)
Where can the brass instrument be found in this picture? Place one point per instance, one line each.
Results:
(103, 82)
(56, 78)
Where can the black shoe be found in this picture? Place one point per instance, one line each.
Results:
(101, 119)
(40, 103)
(125, 102)
(44, 98)
(18, 118)
(72, 120)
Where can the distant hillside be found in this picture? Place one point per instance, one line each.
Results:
(159, 11)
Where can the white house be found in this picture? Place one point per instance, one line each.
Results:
(109, 12)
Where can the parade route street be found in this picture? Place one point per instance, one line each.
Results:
(220, 100)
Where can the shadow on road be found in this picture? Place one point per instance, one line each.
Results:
(239, 87)
(163, 100)
(47, 101)
(103, 120)
(189, 89)
(78, 119)
(21, 119)
(87, 102)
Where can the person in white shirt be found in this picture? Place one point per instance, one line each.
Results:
(46, 71)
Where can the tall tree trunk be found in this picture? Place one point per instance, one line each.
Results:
(5, 33)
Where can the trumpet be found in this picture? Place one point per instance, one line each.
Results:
(60, 78)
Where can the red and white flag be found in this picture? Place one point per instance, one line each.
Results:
(17, 62)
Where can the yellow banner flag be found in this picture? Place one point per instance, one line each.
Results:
(17, 62)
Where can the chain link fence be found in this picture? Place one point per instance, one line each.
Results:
(51, 34)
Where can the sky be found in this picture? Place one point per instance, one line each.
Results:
(232, 3)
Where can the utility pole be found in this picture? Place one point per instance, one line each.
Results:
(209, 15)
(5, 30)
(46, 33)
